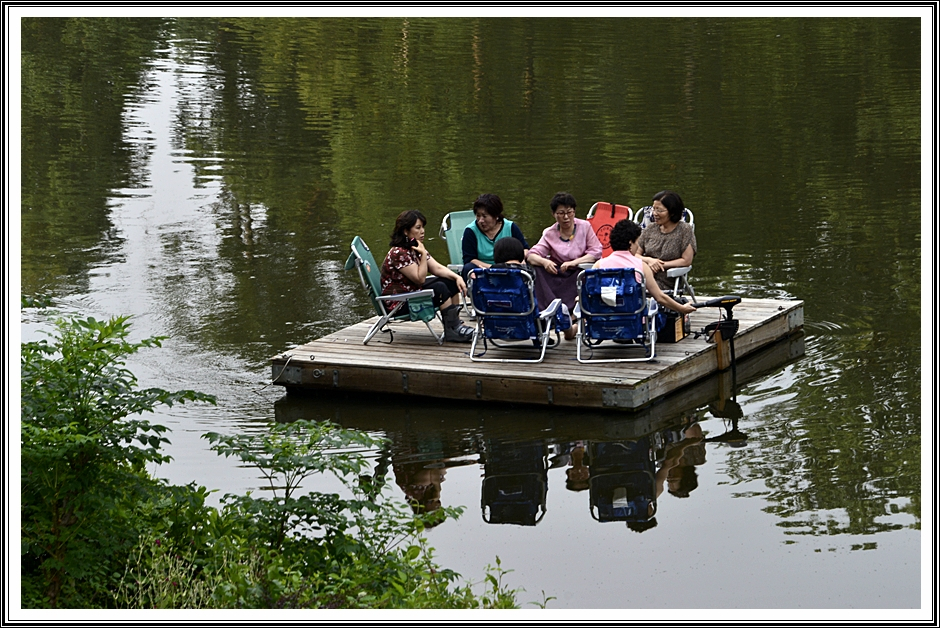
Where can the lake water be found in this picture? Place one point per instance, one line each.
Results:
(207, 176)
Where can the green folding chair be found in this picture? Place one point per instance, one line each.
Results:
(452, 228)
(411, 306)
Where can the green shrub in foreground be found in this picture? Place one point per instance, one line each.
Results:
(98, 531)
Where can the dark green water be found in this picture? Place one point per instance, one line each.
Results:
(207, 176)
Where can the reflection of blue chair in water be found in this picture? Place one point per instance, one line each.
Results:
(515, 483)
(503, 300)
(613, 305)
(622, 482)
(411, 306)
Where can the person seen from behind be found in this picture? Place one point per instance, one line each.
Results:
(623, 241)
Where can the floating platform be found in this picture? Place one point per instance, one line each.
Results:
(414, 364)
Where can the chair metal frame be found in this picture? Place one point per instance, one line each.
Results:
(364, 262)
(647, 309)
(543, 321)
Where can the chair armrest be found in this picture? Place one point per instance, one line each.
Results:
(586, 265)
(678, 271)
(405, 296)
(551, 310)
(455, 267)
(444, 227)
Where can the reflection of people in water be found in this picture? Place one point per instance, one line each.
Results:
(578, 473)
(421, 482)
(678, 467)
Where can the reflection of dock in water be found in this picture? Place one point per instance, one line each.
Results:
(628, 458)
(414, 365)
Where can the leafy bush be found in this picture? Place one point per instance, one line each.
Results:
(99, 531)
(84, 453)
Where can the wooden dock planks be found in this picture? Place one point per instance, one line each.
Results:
(413, 364)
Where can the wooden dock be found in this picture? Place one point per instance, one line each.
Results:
(415, 365)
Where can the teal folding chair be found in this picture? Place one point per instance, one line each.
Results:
(452, 228)
(411, 306)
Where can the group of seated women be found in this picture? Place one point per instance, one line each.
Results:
(555, 258)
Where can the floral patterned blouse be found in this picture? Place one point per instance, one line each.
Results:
(393, 280)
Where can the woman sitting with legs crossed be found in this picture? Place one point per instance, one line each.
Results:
(407, 267)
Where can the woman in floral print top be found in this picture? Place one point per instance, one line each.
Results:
(409, 267)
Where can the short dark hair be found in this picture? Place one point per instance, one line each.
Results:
(405, 221)
(624, 234)
(490, 203)
(507, 249)
(563, 198)
(673, 204)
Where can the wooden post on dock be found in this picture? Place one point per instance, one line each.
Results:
(723, 350)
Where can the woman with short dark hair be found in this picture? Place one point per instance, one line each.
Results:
(481, 235)
(557, 255)
(623, 238)
(668, 242)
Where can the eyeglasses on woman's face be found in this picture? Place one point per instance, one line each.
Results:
(564, 212)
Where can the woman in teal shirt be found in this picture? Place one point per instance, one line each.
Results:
(482, 234)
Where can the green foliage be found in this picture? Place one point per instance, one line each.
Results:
(358, 550)
(84, 453)
(99, 531)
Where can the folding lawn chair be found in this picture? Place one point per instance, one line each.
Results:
(644, 217)
(452, 228)
(603, 216)
(503, 300)
(411, 306)
(613, 305)
(515, 483)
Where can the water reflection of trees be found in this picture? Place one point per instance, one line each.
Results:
(78, 76)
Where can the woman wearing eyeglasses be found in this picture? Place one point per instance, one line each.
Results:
(556, 256)
(668, 242)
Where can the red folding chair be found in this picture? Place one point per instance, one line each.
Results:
(603, 216)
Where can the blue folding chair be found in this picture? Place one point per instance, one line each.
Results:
(515, 482)
(503, 300)
(411, 306)
(613, 305)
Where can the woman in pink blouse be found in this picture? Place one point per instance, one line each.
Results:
(556, 256)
